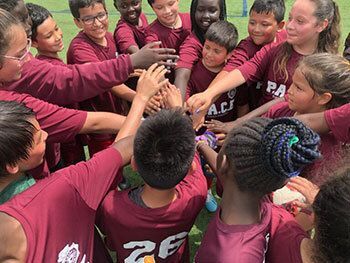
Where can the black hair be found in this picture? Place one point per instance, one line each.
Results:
(197, 31)
(264, 153)
(223, 33)
(75, 5)
(150, 2)
(8, 4)
(276, 7)
(16, 133)
(332, 220)
(38, 14)
(7, 20)
(164, 147)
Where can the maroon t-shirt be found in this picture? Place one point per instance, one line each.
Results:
(83, 50)
(236, 243)
(135, 232)
(225, 107)
(190, 52)
(338, 121)
(285, 237)
(58, 213)
(330, 148)
(64, 85)
(261, 68)
(61, 124)
(126, 34)
(51, 60)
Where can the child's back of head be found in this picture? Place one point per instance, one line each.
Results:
(223, 33)
(164, 148)
(263, 154)
(276, 7)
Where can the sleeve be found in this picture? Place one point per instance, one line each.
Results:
(92, 179)
(276, 111)
(239, 55)
(189, 53)
(254, 69)
(124, 37)
(151, 36)
(346, 52)
(66, 85)
(338, 120)
(61, 124)
(80, 53)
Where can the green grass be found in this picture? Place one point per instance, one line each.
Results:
(64, 19)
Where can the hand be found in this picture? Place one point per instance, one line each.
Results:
(137, 73)
(151, 81)
(199, 102)
(221, 138)
(154, 104)
(150, 54)
(173, 97)
(217, 126)
(306, 188)
(198, 119)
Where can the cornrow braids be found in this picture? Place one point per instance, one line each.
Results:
(264, 153)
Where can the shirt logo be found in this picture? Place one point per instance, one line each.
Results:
(70, 254)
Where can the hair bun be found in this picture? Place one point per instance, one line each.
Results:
(287, 146)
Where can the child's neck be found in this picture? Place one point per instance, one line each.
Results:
(154, 198)
(48, 54)
(310, 111)
(238, 208)
(307, 48)
(8, 179)
(216, 69)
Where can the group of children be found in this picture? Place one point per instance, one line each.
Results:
(51, 211)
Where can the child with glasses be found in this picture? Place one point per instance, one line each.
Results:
(93, 44)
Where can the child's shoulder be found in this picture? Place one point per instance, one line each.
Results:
(281, 109)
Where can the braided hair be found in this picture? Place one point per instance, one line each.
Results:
(264, 153)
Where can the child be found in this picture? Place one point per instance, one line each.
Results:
(130, 32)
(170, 27)
(320, 82)
(94, 44)
(165, 208)
(203, 14)
(256, 159)
(63, 206)
(46, 36)
(308, 32)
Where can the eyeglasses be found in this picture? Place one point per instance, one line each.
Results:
(89, 20)
(21, 58)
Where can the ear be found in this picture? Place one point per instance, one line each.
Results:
(12, 169)
(324, 98)
(322, 25)
(223, 170)
(133, 164)
(78, 23)
(281, 25)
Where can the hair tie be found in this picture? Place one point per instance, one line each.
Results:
(293, 140)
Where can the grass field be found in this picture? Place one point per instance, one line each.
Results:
(61, 13)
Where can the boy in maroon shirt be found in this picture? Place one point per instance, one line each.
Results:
(220, 40)
(63, 206)
(256, 159)
(165, 208)
(130, 31)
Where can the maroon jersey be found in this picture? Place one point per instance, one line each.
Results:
(135, 232)
(236, 243)
(261, 68)
(126, 34)
(225, 107)
(190, 52)
(51, 60)
(82, 50)
(58, 213)
(330, 148)
(64, 85)
(285, 237)
(61, 124)
(339, 122)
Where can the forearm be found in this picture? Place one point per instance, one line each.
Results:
(132, 49)
(102, 122)
(133, 119)
(182, 76)
(125, 148)
(261, 110)
(209, 155)
(315, 121)
(124, 92)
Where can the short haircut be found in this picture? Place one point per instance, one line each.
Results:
(276, 7)
(150, 2)
(332, 219)
(264, 153)
(8, 5)
(38, 14)
(164, 148)
(75, 5)
(223, 33)
(16, 133)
